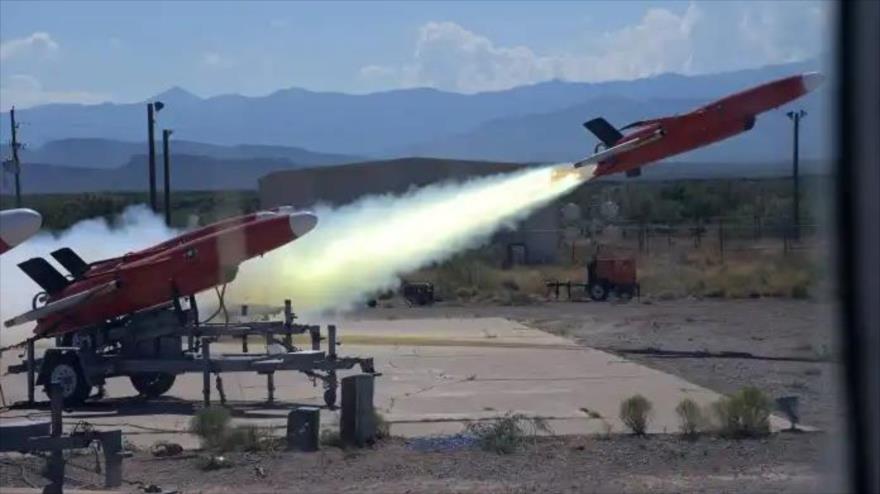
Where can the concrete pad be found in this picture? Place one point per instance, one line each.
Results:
(437, 374)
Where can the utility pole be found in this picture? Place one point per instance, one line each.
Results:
(166, 133)
(15, 162)
(796, 117)
(152, 109)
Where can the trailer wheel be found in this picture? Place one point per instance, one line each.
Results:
(625, 294)
(152, 384)
(598, 291)
(67, 373)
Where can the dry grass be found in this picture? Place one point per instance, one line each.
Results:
(744, 414)
(635, 413)
(477, 278)
(738, 275)
(507, 434)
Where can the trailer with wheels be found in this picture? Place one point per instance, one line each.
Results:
(612, 275)
(153, 347)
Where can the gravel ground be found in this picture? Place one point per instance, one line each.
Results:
(800, 331)
(558, 464)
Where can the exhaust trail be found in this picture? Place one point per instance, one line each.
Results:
(354, 251)
(365, 246)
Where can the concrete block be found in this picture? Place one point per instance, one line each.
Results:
(357, 422)
(303, 425)
(14, 434)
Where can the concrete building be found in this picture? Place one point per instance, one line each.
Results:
(535, 241)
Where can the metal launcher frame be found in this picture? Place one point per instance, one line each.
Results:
(169, 341)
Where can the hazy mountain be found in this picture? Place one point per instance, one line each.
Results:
(202, 173)
(107, 153)
(559, 135)
(384, 123)
(188, 173)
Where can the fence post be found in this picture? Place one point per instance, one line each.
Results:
(721, 237)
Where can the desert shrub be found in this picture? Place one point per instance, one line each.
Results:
(607, 429)
(214, 462)
(690, 416)
(248, 438)
(465, 292)
(744, 414)
(331, 438)
(383, 428)
(635, 412)
(211, 424)
(507, 434)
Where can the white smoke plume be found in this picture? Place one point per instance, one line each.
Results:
(92, 239)
(365, 246)
(354, 251)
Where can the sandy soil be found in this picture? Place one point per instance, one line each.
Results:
(791, 348)
(791, 342)
(782, 464)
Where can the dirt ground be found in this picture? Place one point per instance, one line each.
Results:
(790, 352)
(784, 463)
(791, 343)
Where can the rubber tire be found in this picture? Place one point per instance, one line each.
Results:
(81, 389)
(598, 291)
(625, 294)
(330, 397)
(152, 384)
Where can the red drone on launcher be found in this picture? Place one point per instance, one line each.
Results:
(185, 265)
(660, 138)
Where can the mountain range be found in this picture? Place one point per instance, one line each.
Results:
(296, 127)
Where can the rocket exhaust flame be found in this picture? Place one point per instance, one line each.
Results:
(353, 251)
(365, 246)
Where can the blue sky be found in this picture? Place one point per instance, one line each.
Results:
(91, 52)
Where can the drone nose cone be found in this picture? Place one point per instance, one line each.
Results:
(812, 80)
(302, 223)
(17, 225)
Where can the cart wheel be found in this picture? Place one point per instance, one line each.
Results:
(598, 291)
(152, 384)
(330, 397)
(66, 372)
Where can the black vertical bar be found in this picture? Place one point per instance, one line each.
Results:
(167, 167)
(151, 150)
(111, 443)
(206, 371)
(858, 236)
(56, 460)
(796, 171)
(15, 160)
(31, 370)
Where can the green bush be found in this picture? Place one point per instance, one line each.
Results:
(248, 438)
(507, 434)
(690, 416)
(635, 412)
(383, 428)
(744, 414)
(331, 438)
(211, 424)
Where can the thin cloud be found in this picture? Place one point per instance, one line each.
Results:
(703, 38)
(23, 91)
(38, 43)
